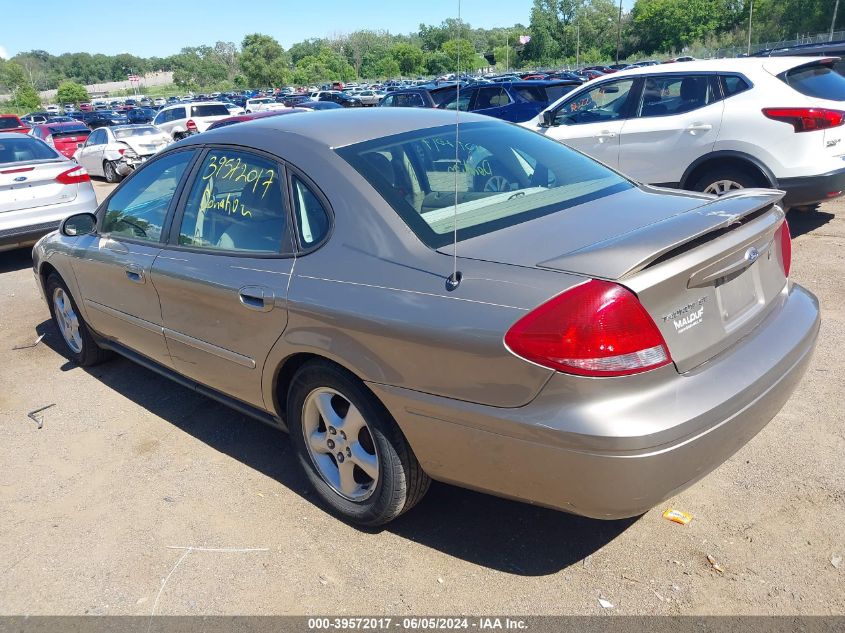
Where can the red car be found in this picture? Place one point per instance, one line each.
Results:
(12, 123)
(66, 138)
(239, 118)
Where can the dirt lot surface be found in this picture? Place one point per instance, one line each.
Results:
(128, 467)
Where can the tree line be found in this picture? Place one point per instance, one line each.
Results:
(561, 32)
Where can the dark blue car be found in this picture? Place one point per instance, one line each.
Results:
(516, 101)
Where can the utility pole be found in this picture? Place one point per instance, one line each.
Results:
(750, 14)
(577, 45)
(619, 32)
(833, 21)
(507, 52)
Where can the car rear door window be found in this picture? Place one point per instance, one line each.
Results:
(236, 204)
(213, 109)
(816, 80)
(490, 97)
(733, 84)
(675, 94)
(312, 219)
(138, 208)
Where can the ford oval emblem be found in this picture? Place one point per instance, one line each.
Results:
(751, 255)
(20, 178)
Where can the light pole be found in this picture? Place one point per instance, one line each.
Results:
(750, 14)
(619, 32)
(833, 21)
(507, 52)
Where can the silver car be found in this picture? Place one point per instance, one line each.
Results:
(481, 306)
(38, 188)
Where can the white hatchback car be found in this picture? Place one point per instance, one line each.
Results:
(114, 152)
(183, 119)
(714, 125)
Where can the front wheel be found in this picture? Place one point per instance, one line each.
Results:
(353, 453)
(79, 343)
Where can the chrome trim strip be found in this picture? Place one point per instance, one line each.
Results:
(141, 323)
(220, 352)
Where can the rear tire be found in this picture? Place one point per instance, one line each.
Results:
(110, 172)
(77, 339)
(720, 180)
(324, 399)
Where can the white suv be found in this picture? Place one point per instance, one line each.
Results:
(183, 119)
(714, 125)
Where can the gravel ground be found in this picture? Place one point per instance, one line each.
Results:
(128, 467)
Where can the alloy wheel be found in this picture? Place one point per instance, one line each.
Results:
(340, 444)
(722, 186)
(67, 320)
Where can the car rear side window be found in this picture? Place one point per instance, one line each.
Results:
(9, 123)
(311, 217)
(532, 93)
(236, 204)
(138, 208)
(816, 80)
(733, 84)
(213, 109)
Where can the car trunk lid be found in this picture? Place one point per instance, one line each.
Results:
(33, 184)
(68, 142)
(706, 273)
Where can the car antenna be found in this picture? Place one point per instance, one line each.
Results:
(454, 279)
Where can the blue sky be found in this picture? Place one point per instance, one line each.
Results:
(162, 27)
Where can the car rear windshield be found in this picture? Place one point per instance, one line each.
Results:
(25, 148)
(8, 123)
(142, 130)
(816, 80)
(496, 175)
(70, 130)
(210, 109)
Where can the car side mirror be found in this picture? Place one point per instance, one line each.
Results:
(78, 224)
(548, 118)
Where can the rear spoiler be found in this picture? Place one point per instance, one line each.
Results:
(631, 252)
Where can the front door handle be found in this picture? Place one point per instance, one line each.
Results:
(699, 127)
(136, 275)
(257, 298)
(605, 135)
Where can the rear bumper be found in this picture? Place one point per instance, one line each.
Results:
(23, 227)
(807, 190)
(613, 448)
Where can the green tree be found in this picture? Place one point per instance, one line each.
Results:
(387, 68)
(409, 58)
(71, 92)
(264, 61)
(197, 66)
(26, 98)
(672, 24)
(438, 63)
(462, 55)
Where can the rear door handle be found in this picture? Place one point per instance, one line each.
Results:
(699, 127)
(136, 275)
(257, 298)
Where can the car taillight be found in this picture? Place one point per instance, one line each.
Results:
(595, 329)
(807, 119)
(785, 248)
(191, 125)
(73, 176)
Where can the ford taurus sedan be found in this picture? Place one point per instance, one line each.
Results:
(481, 306)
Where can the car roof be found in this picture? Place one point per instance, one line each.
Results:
(774, 65)
(341, 127)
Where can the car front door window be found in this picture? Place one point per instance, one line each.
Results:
(138, 209)
(602, 103)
